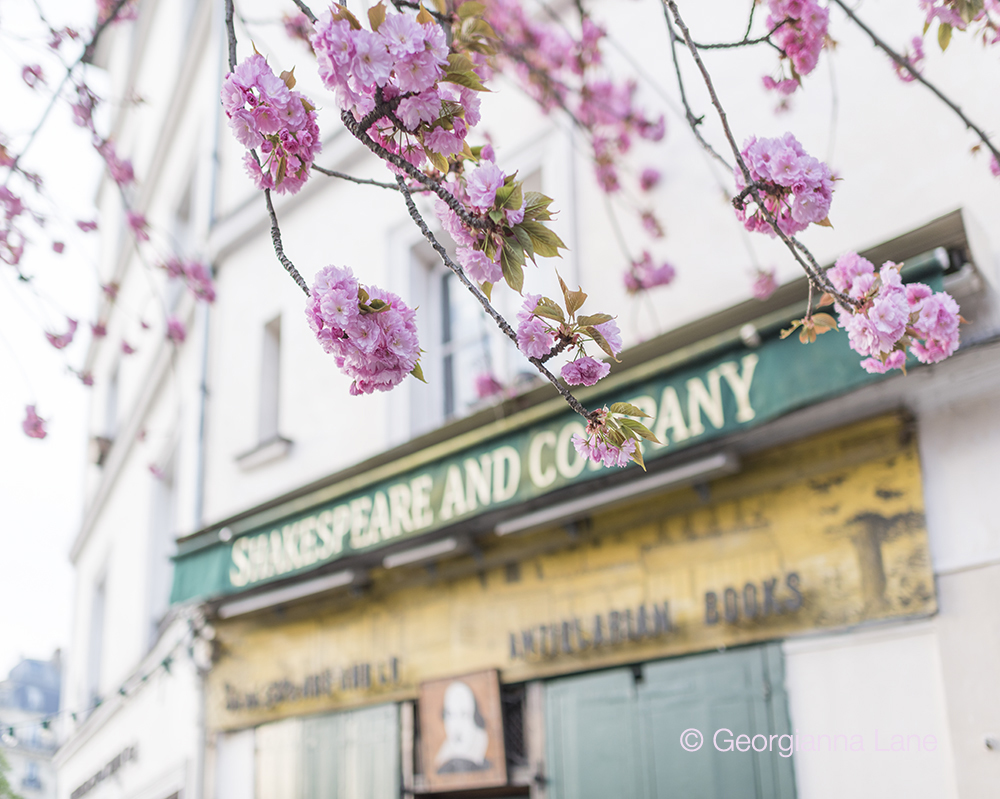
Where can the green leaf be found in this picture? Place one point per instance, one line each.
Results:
(628, 409)
(514, 198)
(600, 341)
(574, 299)
(467, 79)
(425, 16)
(282, 168)
(477, 28)
(376, 16)
(537, 206)
(288, 77)
(513, 271)
(496, 216)
(944, 36)
(525, 241)
(418, 372)
(547, 244)
(438, 161)
(640, 430)
(502, 194)
(470, 9)
(637, 458)
(549, 309)
(487, 290)
(594, 319)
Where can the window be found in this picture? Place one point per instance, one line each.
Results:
(464, 350)
(31, 778)
(270, 383)
(95, 645)
(161, 547)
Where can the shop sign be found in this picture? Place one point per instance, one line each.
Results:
(824, 534)
(127, 755)
(730, 392)
(339, 682)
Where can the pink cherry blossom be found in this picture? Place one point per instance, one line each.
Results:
(32, 75)
(64, 339)
(585, 371)
(138, 224)
(649, 178)
(479, 266)
(646, 274)
(33, 425)
(176, 332)
(764, 284)
(487, 385)
(482, 184)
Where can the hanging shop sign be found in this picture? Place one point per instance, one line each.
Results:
(827, 533)
(461, 732)
(730, 392)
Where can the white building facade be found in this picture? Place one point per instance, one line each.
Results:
(203, 449)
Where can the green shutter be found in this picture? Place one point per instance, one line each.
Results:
(618, 733)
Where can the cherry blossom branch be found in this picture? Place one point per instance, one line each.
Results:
(905, 64)
(799, 251)
(85, 56)
(305, 10)
(399, 162)
(492, 312)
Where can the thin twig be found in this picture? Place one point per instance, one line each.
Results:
(744, 42)
(905, 64)
(692, 120)
(279, 249)
(492, 312)
(333, 173)
(231, 34)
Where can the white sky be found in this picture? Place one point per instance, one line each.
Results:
(41, 492)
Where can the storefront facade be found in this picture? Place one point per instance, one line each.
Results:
(596, 635)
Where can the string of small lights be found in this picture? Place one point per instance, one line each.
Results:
(199, 630)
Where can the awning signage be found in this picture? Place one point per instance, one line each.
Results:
(733, 391)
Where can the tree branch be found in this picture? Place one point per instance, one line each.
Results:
(401, 163)
(305, 10)
(492, 312)
(905, 64)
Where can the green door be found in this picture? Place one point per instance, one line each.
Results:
(618, 733)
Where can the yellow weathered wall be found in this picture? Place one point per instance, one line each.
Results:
(843, 511)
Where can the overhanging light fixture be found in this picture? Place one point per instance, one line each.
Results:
(422, 553)
(288, 594)
(696, 471)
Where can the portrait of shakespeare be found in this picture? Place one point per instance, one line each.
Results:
(466, 739)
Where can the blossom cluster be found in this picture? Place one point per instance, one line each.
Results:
(646, 274)
(371, 332)
(428, 94)
(264, 111)
(541, 324)
(914, 61)
(195, 275)
(890, 317)
(800, 35)
(11, 238)
(560, 71)
(796, 188)
(959, 14)
(33, 425)
(611, 438)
